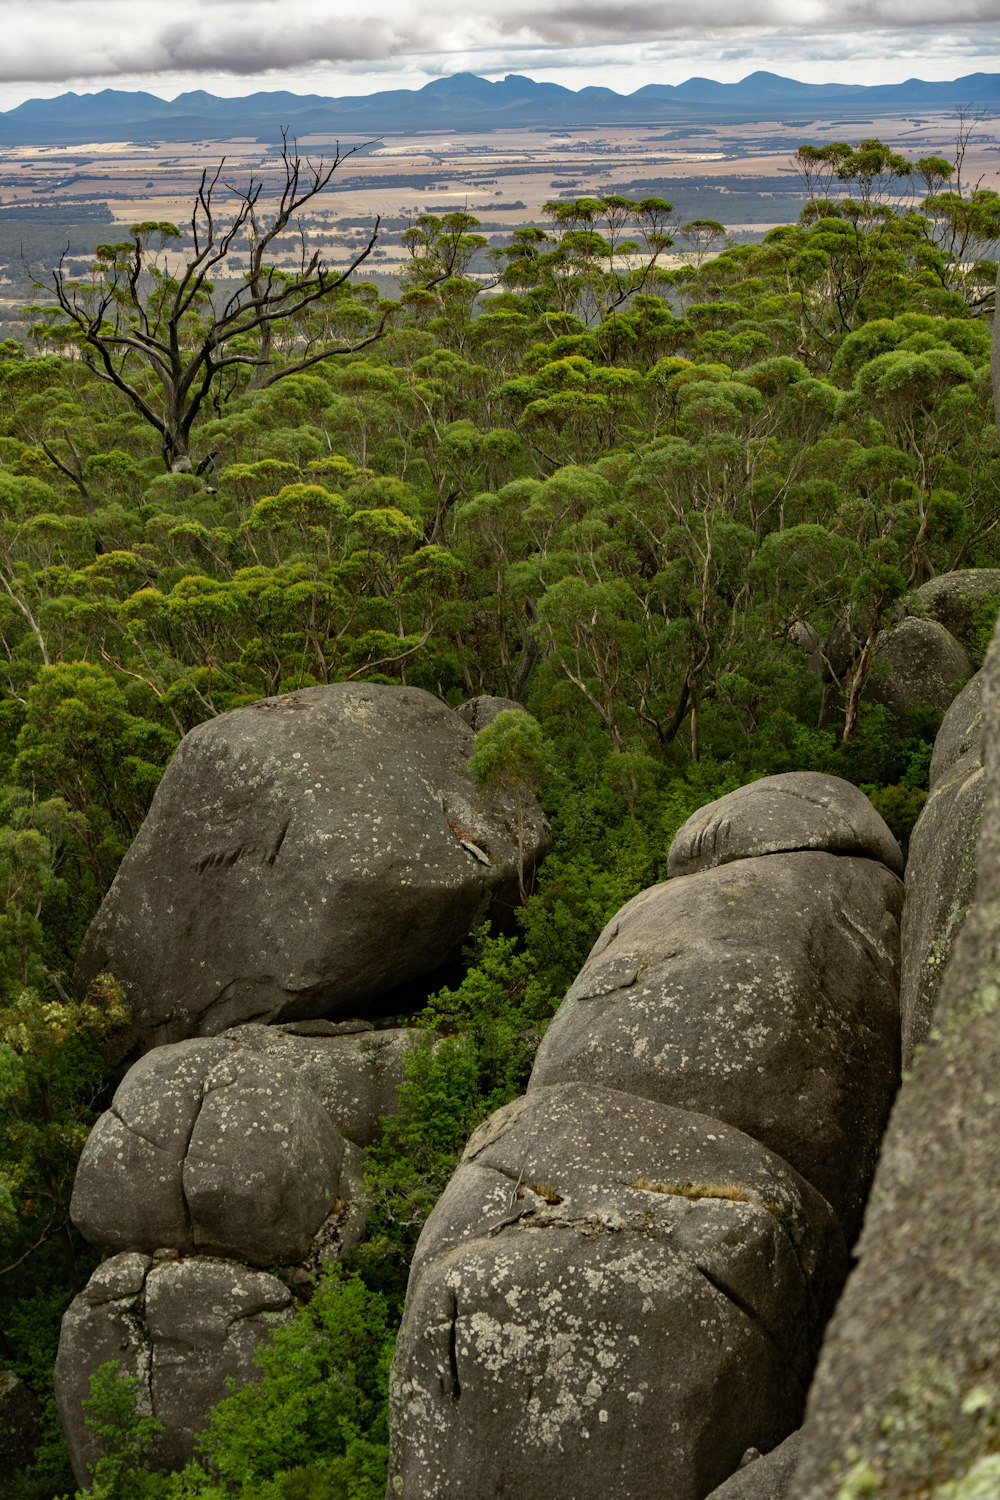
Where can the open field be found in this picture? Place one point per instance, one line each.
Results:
(55, 198)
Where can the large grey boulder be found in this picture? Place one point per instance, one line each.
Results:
(611, 1298)
(181, 1328)
(906, 1395)
(957, 600)
(763, 993)
(781, 814)
(237, 1145)
(917, 664)
(941, 869)
(303, 857)
(768, 1476)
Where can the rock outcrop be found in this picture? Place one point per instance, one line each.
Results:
(941, 869)
(597, 1304)
(798, 811)
(242, 1145)
(245, 1146)
(907, 1394)
(764, 993)
(767, 1476)
(182, 1328)
(478, 712)
(305, 857)
(956, 600)
(917, 664)
(604, 1275)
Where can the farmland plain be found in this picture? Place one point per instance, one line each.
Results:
(67, 199)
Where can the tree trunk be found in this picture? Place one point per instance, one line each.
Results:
(861, 677)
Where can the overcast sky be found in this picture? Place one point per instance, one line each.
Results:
(314, 46)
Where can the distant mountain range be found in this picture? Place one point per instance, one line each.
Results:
(466, 102)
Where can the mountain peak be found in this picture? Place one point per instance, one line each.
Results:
(466, 101)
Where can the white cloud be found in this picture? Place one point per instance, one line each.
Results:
(235, 46)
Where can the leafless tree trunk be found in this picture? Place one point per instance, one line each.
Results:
(135, 316)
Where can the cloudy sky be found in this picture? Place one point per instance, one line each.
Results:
(315, 46)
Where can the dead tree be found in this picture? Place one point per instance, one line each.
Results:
(134, 317)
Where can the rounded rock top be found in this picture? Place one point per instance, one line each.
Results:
(305, 857)
(796, 811)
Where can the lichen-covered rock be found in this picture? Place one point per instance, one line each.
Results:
(768, 1476)
(779, 814)
(611, 1298)
(182, 1328)
(235, 1145)
(763, 993)
(918, 663)
(355, 1074)
(303, 857)
(957, 600)
(907, 1395)
(941, 869)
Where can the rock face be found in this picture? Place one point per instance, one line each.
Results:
(304, 857)
(182, 1328)
(236, 1145)
(906, 1395)
(478, 712)
(918, 663)
(769, 1477)
(618, 1293)
(764, 993)
(955, 599)
(941, 870)
(784, 814)
(601, 1272)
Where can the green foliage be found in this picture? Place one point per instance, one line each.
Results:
(472, 1053)
(980, 632)
(122, 1432)
(320, 1397)
(312, 1426)
(622, 495)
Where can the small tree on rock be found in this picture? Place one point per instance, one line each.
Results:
(509, 756)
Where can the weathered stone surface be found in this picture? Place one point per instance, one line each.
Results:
(961, 731)
(262, 1167)
(303, 857)
(586, 1317)
(768, 1477)
(235, 1144)
(20, 1426)
(953, 598)
(940, 886)
(908, 1387)
(182, 1328)
(478, 712)
(918, 663)
(794, 811)
(763, 993)
(355, 1074)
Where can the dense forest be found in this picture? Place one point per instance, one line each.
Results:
(640, 497)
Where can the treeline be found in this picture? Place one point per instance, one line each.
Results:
(620, 491)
